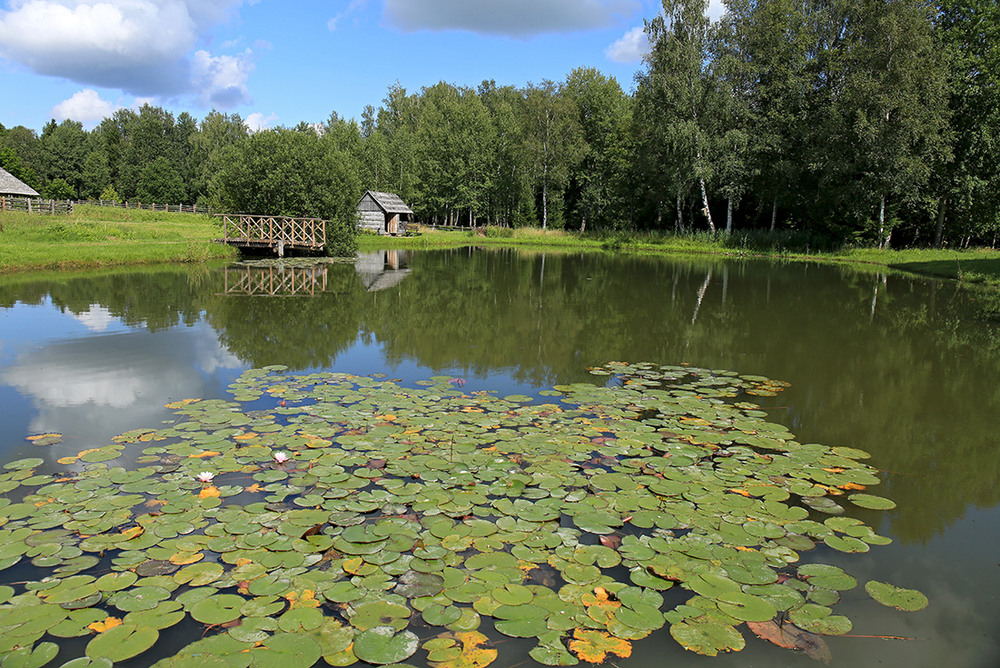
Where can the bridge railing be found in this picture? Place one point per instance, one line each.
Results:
(283, 231)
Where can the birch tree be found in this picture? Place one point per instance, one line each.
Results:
(552, 140)
(675, 97)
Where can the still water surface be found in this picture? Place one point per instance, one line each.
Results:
(902, 367)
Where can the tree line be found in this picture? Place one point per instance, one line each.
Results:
(859, 121)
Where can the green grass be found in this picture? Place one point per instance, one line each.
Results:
(103, 236)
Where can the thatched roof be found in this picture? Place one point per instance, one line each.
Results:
(389, 202)
(9, 185)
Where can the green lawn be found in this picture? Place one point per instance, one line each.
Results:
(103, 236)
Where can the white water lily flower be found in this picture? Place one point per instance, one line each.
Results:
(281, 457)
(205, 476)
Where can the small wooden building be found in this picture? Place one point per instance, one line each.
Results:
(384, 213)
(11, 186)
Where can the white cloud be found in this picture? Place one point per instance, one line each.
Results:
(85, 106)
(143, 47)
(355, 6)
(221, 81)
(257, 121)
(517, 18)
(630, 48)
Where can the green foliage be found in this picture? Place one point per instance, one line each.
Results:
(159, 182)
(58, 189)
(496, 232)
(291, 173)
(109, 194)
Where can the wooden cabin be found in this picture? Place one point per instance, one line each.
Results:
(11, 186)
(384, 213)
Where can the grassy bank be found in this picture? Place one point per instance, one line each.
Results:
(103, 236)
(980, 266)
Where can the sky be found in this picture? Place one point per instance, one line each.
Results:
(281, 62)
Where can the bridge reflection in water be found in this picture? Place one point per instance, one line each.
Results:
(276, 279)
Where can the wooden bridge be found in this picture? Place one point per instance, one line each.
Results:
(273, 233)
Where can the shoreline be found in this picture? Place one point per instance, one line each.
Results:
(96, 238)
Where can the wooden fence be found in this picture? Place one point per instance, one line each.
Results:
(275, 233)
(32, 205)
(168, 208)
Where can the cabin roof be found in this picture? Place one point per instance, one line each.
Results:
(11, 185)
(388, 202)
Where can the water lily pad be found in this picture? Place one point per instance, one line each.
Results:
(872, 502)
(122, 642)
(286, 649)
(218, 609)
(703, 635)
(819, 619)
(383, 645)
(892, 596)
(413, 584)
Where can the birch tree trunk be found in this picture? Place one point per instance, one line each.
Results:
(704, 202)
(545, 204)
(774, 213)
(939, 228)
(729, 215)
(881, 223)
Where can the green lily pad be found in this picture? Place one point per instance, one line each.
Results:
(122, 642)
(218, 609)
(872, 502)
(703, 635)
(383, 645)
(892, 596)
(819, 619)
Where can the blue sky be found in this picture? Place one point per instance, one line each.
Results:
(279, 62)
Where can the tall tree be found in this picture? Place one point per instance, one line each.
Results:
(65, 147)
(291, 173)
(676, 102)
(510, 201)
(397, 122)
(455, 138)
(553, 140)
(970, 184)
(598, 185)
(216, 132)
(27, 147)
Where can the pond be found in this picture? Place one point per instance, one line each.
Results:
(900, 367)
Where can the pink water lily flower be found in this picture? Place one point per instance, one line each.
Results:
(205, 476)
(280, 457)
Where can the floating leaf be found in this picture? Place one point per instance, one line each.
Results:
(704, 635)
(872, 502)
(122, 642)
(382, 645)
(792, 637)
(108, 623)
(594, 646)
(909, 600)
(472, 654)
